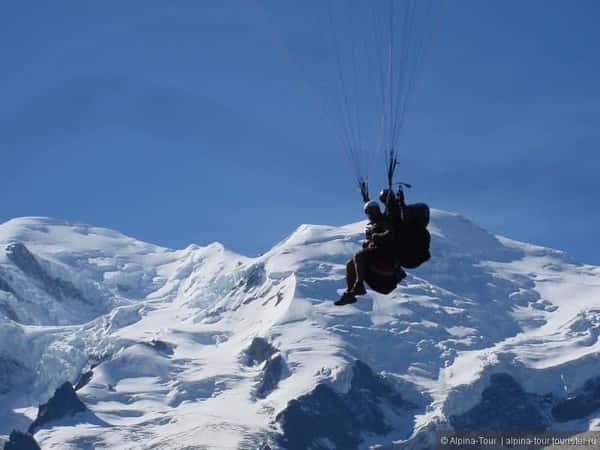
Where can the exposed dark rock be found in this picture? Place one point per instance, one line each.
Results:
(504, 406)
(27, 262)
(255, 276)
(580, 404)
(84, 379)
(160, 346)
(64, 403)
(273, 372)
(320, 414)
(365, 391)
(21, 441)
(12, 373)
(339, 419)
(279, 298)
(259, 351)
(24, 260)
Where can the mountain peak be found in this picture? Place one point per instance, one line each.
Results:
(76, 299)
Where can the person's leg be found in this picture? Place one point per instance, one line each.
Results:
(361, 266)
(348, 297)
(350, 274)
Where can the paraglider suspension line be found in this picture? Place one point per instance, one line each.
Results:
(364, 189)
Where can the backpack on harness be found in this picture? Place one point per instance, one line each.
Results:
(412, 248)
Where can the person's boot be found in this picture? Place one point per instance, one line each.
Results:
(346, 299)
(358, 288)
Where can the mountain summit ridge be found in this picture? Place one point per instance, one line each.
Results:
(164, 337)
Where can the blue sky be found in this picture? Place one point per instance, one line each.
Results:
(189, 122)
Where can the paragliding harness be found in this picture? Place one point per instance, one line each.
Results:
(412, 239)
(385, 267)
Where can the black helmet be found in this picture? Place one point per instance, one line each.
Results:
(385, 194)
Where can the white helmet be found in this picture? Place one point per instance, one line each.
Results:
(370, 205)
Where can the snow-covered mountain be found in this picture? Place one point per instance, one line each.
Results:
(202, 348)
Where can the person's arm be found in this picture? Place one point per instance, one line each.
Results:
(384, 237)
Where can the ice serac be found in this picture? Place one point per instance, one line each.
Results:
(204, 348)
(4, 286)
(12, 373)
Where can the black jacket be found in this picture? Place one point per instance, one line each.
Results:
(380, 232)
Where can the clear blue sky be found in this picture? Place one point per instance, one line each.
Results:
(186, 122)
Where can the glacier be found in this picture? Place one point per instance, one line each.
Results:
(203, 348)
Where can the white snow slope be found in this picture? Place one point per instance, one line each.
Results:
(167, 334)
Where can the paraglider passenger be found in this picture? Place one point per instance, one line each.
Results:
(377, 249)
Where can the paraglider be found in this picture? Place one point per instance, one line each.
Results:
(372, 54)
(377, 73)
(395, 239)
(375, 263)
